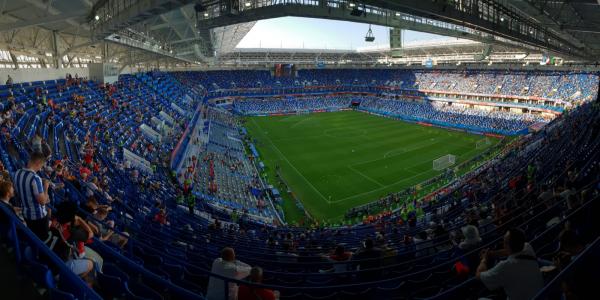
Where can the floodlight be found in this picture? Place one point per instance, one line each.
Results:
(97, 17)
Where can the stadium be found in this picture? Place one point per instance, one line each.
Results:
(299, 149)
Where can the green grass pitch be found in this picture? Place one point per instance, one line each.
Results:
(335, 161)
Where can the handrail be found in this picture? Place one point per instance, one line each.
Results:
(178, 292)
(549, 229)
(572, 267)
(83, 290)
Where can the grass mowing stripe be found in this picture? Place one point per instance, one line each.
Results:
(291, 165)
(381, 188)
(335, 161)
(364, 176)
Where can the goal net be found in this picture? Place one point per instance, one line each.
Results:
(483, 143)
(444, 162)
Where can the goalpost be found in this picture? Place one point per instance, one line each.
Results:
(444, 162)
(483, 143)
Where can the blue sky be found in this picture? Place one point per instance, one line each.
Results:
(294, 32)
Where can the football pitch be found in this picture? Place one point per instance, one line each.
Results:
(335, 161)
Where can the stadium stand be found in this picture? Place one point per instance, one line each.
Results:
(165, 244)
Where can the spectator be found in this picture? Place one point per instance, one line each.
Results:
(161, 217)
(229, 267)
(4, 175)
(33, 193)
(472, 239)
(76, 230)
(287, 255)
(58, 244)
(369, 257)
(6, 193)
(255, 293)
(36, 144)
(580, 283)
(519, 275)
(93, 186)
(9, 81)
(339, 255)
(422, 244)
(105, 229)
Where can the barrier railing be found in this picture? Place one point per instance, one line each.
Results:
(179, 150)
(20, 235)
(555, 284)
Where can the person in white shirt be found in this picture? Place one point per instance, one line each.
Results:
(226, 266)
(519, 275)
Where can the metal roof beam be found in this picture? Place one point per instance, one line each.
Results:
(488, 21)
(115, 15)
(42, 21)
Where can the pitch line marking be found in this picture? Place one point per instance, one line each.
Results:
(364, 176)
(392, 184)
(364, 193)
(378, 189)
(406, 149)
(291, 165)
(298, 123)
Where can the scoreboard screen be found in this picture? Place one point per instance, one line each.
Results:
(285, 70)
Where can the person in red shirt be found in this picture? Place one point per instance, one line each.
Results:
(246, 292)
(84, 172)
(161, 217)
(88, 158)
(339, 255)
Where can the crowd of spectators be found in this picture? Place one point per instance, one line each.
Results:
(543, 181)
(291, 104)
(494, 120)
(97, 121)
(574, 87)
(427, 111)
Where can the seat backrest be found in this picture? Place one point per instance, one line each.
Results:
(111, 286)
(113, 270)
(56, 294)
(139, 289)
(40, 274)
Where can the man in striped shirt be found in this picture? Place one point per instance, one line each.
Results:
(33, 193)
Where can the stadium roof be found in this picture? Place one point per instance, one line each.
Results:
(415, 53)
(168, 32)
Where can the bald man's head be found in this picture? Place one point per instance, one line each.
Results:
(227, 254)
